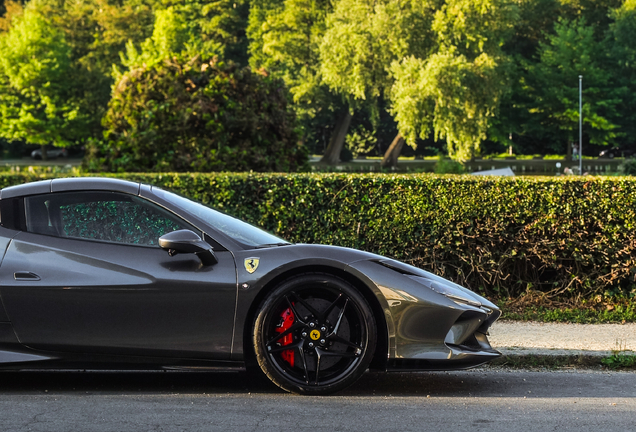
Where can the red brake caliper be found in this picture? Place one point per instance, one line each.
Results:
(288, 320)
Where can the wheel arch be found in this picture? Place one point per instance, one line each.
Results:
(380, 356)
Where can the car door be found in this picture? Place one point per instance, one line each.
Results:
(87, 275)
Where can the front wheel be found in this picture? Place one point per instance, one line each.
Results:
(314, 334)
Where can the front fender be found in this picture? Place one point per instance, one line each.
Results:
(253, 287)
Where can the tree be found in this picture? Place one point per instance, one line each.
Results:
(455, 92)
(225, 21)
(172, 36)
(285, 39)
(38, 102)
(96, 32)
(622, 65)
(536, 24)
(363, 38)
(213, 25)
(187, 114)
(8, 10)
(552, 86)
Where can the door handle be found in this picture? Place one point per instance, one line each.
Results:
(24, 275)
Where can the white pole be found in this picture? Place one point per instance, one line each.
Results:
(581, 124)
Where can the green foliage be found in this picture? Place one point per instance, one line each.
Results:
(619, 314)
(193, 27)
(171, 36)
(622, 61)
(503, 237)
(552, 84)
(547, 62)
(222, 22)
(285, 38)
(96, 32)
(363, 37)
(629, 166)
(197, 115)
(360, 140)
(443, 68)
(38, 102)
(448, 166)
(620, 361)
(456, 91)
(93, 32)
(8, 10)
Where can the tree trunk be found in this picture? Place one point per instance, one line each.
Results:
(332, 154)
(45, 155)
(391, 156)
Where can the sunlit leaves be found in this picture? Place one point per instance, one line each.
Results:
(455, 92)
(285, 38)
(37, 102)
(364, 37)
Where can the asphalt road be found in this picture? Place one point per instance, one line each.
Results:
(486, 399)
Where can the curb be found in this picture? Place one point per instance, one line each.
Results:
(561, 359)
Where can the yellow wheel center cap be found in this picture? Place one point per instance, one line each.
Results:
(314, 335)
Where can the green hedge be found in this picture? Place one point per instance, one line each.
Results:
(501, 236)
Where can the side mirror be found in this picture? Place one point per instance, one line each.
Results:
(186, 241)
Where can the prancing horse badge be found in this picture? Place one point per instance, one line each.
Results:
(251, 264)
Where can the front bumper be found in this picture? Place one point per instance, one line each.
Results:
(427, 330)
(465, 345)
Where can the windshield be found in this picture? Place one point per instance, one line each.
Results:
(236, 229)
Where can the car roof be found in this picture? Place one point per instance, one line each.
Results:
(71, 184)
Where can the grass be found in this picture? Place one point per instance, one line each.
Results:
(533, 361)
(594, 311)
(620, 361)
(619, 314)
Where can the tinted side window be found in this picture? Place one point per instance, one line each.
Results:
(12, 214)
(103, 216)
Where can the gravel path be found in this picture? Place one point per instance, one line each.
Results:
(558, 338)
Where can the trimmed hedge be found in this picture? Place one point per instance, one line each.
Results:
(567, 237)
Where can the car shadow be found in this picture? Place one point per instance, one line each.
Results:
(475, 383)
(142, 382)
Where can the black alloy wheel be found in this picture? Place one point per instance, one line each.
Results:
(314, 334)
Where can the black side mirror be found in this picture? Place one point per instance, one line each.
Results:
(186, 241)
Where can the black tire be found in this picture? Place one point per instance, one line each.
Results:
(329, 329)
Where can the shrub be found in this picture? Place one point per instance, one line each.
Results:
(565, 237)
(448, 166)
(197, 116)
(629, 166)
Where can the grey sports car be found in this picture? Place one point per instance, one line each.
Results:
(109, 274)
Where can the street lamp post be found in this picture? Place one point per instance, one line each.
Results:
(580, 124)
